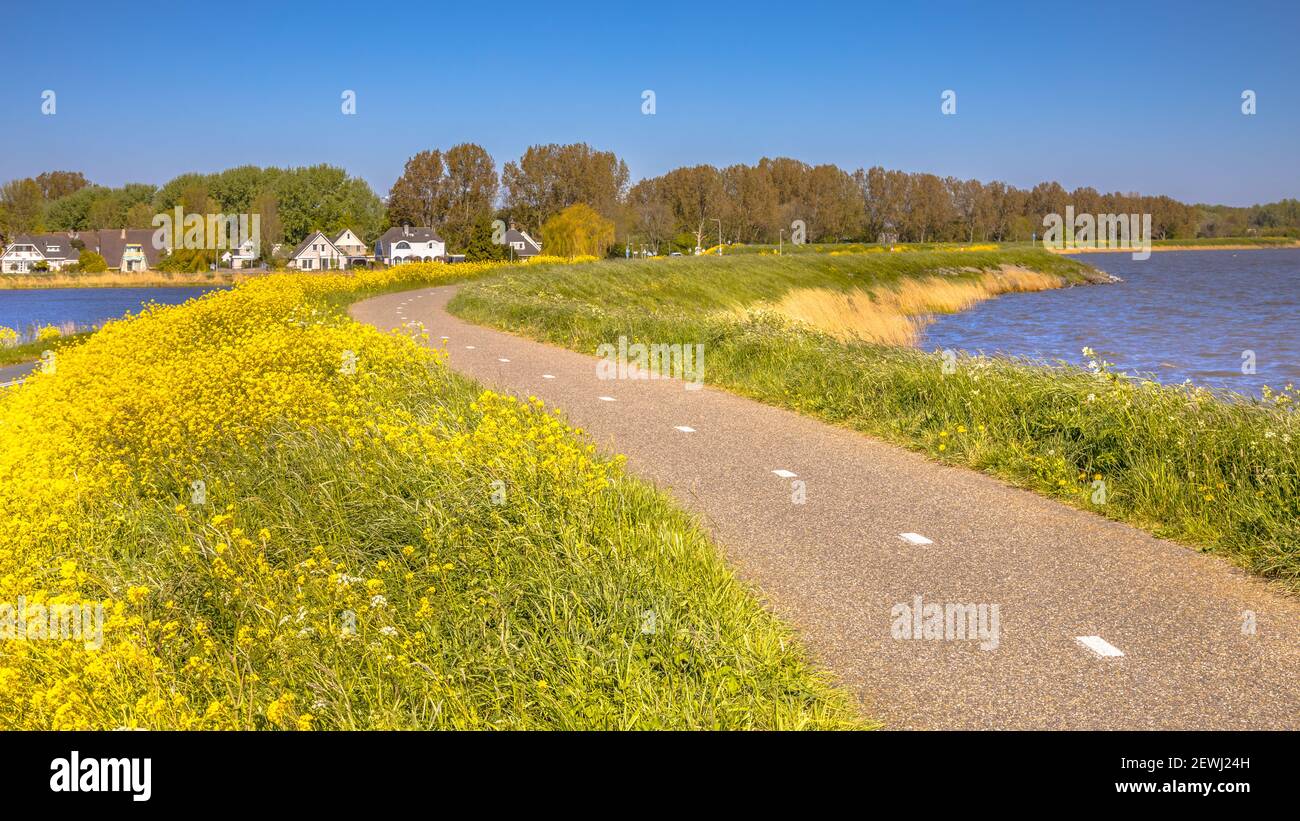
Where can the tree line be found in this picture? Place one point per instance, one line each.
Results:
(460, 193)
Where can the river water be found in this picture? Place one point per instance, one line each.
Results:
(1198, 315)
(83, 307)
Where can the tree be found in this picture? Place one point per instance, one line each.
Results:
(695, 195)
(91, 262)
(55, 184)
(139, 215)
(22, 207)
(549, 178)
(478, 245)
(470, 190)
(419, 196)
(578, 231)
(270, 229)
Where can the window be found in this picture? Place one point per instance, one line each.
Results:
(306, 264)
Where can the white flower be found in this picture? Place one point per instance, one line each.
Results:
(378, 601)
(388, 630)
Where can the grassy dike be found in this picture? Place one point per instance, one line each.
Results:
(294, 521)
(1221, 473)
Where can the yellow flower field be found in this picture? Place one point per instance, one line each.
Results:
(293, 521)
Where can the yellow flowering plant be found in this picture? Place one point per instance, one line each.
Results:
(270, 538)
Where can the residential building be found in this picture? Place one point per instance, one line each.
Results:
(407, 244)
(521, 245)
(123, 249)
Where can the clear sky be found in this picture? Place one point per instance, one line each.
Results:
(1109, 95)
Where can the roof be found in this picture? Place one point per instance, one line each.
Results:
(110, 243)
(405, 232)
(302, 246)
(514, 235)
(44, 242)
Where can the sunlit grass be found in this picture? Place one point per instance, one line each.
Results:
(1219, 472)
(897, 313)
(295, 521)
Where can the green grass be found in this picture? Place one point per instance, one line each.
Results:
(1220, 472)
(349, 565)
(541, 617)
(703, 284)
(30, 351)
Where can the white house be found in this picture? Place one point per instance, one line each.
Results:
(406, 244)
(123, 249)
(317, 253)
(351, 246)
(320, 253)
(22, 255)
(241, 257)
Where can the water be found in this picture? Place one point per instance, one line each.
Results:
(1178, 315)
(84, 307)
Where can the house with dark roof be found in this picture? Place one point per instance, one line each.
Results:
(124, 249)
(27, 251)
(407, 244)
(521, 245)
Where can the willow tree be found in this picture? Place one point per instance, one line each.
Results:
(577, 231)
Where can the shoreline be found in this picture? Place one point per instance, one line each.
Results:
(28, 284)
(1164, 248)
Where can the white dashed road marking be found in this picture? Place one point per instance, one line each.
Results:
(547, 376)
(914, 538)
(1100, 646)
(785, 474)
(501, 359)
(469, 347)
(606, 398)
(685, 429)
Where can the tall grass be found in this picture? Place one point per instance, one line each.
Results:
(118, 279)
(896, 314)
(1217, 471)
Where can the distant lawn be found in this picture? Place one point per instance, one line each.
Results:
(29, 351)
(1221, 472)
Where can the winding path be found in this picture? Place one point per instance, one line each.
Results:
(11, 375)
(1099, 624)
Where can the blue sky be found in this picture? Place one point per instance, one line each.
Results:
(1088, 94)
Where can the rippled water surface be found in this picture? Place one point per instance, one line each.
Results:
(1178, 315)
(82, 306)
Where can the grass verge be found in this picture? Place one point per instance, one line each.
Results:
(294, 521)
(1220, 472)
(30, 351)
